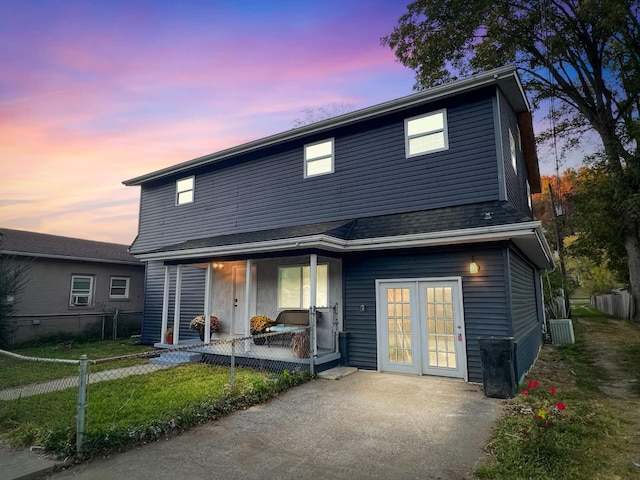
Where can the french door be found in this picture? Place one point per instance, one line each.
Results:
(420, 326)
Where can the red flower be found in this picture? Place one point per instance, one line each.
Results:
(537, 415)
(561, 406)
(525, 392)
(553, 391)
(533, 384)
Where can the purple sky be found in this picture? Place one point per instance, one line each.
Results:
(96, 92)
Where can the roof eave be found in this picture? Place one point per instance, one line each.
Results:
(526, 235)
(505, 77)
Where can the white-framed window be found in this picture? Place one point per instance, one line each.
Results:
(119, 287)
(512, 147)
(318, 158)
(184, 190)
(81, 291)
(426, 133)
(294, 286)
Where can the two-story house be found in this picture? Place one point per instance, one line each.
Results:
(411, 219)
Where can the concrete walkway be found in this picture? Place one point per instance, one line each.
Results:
(364, 426)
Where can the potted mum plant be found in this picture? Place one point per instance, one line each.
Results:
(198, 324)
(258, 325)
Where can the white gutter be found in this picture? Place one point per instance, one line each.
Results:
(326, 242)
(68, 257)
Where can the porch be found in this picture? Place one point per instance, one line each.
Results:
(268, 351)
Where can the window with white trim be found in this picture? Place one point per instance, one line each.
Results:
(294, 286)
(184, 190)
(119, 287)
(318, 158)
(81, 291)
(426, 133)
(512, 147)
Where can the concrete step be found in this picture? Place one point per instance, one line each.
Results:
(176, 358)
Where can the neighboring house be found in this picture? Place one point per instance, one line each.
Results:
(391, 206)
(72, 284)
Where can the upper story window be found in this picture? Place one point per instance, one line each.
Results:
(529, 196)
(81, 291)
(426, 133)
(512, 147)
(184, 190)
(119, 287)
(318, 158)
(294, 286)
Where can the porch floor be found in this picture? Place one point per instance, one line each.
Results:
(222, 346)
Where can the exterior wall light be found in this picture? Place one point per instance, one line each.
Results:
(218, 266)
(474, 267)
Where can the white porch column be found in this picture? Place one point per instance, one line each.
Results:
(165, 306)
(313, 286)
(176, 307)
(247, 303)
(207, 303)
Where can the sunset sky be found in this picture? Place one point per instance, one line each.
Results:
(96, 92)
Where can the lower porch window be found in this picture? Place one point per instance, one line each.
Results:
(294, 286)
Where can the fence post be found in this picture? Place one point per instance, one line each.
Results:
(232, 379)
(312, 341)
(83, 372)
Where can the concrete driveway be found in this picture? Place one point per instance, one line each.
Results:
(364, 426)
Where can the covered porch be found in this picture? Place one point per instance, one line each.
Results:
(235, 290)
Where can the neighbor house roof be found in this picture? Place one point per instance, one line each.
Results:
(506, 78)
(474, 223)
(32, 244)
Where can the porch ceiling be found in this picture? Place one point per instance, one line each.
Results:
(483, 222)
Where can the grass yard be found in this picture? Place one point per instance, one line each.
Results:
(136, 409)
(589, 427)
(15, 372)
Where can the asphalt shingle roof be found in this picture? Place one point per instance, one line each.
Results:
(41, 244)
(425, 221)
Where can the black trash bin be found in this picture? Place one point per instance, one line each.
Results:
(343, 347)
(498, 375)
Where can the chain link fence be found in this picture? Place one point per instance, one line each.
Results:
(137, 397)
(99, 325)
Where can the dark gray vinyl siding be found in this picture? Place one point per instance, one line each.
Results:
(526, 316)
(372, 177)
(485, 306)
(516, 184)
(191, 304)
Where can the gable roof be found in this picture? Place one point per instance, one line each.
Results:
(506, 78)
(479, 222)
(32, 244)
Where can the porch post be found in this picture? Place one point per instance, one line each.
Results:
(207, 303)
(165, 306)
(247, 304)
(313, 285)
(176, 307)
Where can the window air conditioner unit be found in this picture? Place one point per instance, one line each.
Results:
(81, 300)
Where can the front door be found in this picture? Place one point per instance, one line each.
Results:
(421, 327)
(239, 287)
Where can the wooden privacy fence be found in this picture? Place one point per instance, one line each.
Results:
(616, 304)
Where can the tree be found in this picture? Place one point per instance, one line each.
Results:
(313, 115)
(13, 277)
(596, 220)
(585, 54)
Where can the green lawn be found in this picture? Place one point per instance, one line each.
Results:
(137, 408)
(15, 372)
